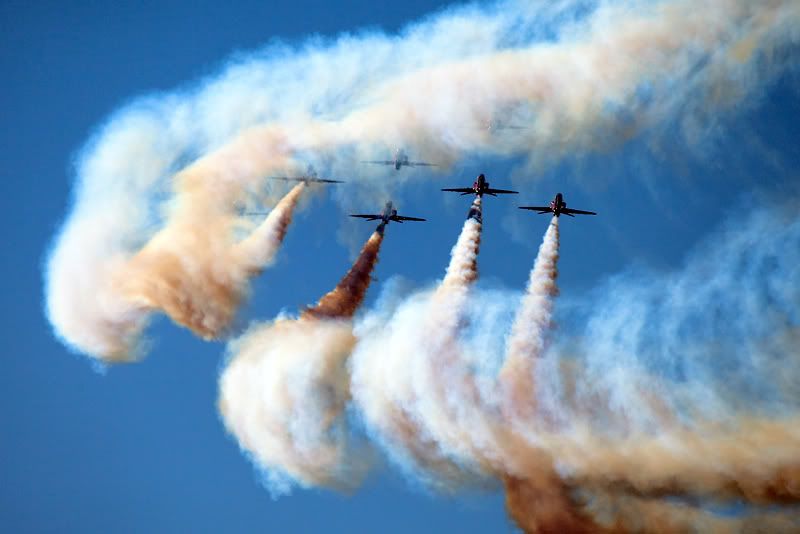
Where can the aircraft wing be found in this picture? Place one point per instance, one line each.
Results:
(460, 190)
(380, 162)
(492, 191)
(570, 211)
(542, 209)
(400, 218)
(367, 216)
(421, 164)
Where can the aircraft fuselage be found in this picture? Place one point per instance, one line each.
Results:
(480, 185)
(479, 188)
(388, 212)
(557, 204)
(400, 159)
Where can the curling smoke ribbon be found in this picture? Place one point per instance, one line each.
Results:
(148, 232)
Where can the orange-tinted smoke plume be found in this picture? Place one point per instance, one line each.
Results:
(344, 300)
(199, 278)
(542, 504)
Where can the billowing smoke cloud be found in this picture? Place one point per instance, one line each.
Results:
(630, 428)
(194, 270)
(202, 293)
(403, 375)
(285, 388)
(566, 71)
(682, 385)
(540, 502)
(415, 381)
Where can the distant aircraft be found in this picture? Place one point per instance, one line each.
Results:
(401, 160)
(557, 206)
(389, 214)
(309, 176)
(495, 125)
(480, 187)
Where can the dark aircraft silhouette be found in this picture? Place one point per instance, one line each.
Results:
(309, 176)
(389, 214)
(401, 160)
(481, 187)
(557, 206)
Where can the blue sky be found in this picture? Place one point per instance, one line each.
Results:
(141, 447)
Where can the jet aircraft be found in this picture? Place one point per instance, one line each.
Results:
(557, 206)
(310, 176)
(389, 214)
(496, 125)
(481, 187)
(401, 160)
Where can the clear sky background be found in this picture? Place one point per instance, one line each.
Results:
(140, 447)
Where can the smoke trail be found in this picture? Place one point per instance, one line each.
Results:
(285, 388)
(527, 339)
(463, 268)
(630, 438)
(199, 279)
(423, 402)
(602, 441)
(397, 371)
(736, 307)
(615, 68)
(541, 501)
(349, 293)
(193, 270)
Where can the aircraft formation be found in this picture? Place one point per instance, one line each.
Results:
(479, 187)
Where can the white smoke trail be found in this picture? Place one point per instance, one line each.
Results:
(397, 369)
(416, 370)
(682, 383)
(629, 433)
(567, 72)
(532, 324)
